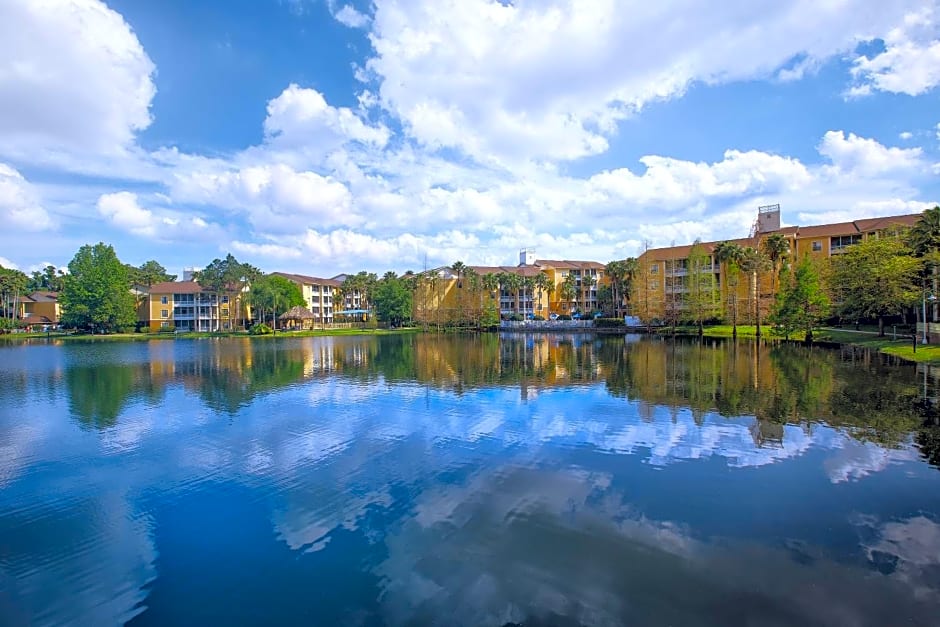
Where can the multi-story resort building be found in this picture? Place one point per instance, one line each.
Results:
(663, 276)
(187, 306)
(318, 293)
(535, 287)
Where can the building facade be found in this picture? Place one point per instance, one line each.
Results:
(187, 306)
(319, 295)
(665, 278)
(39, 310)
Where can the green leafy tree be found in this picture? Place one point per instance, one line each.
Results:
(226, 277)
(151, 272)
(701, 299)
(392, 299)
(802, 301)
(273, 294)
(877, 278)
(95, 292)
(50, 279)
(924, 239)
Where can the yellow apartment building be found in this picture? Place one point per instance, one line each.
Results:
(186, 306)
(39, 309)
(441, 296)
(318, 294)
(662, 280)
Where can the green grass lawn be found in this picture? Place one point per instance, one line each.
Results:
(902, 347)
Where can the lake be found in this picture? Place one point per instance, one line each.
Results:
(479, 480)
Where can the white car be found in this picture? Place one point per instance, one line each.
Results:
(553, 316)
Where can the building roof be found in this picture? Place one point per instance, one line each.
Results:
(828, 230)
(35, 319)
(570, 264)
(854, 227)
(175, 287)
(42, 296)
(297, 313)
(308, 280)
(875, 224)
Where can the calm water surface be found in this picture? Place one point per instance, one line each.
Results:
(465, 481)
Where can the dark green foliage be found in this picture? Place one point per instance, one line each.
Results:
(95, 293)
(392, 299)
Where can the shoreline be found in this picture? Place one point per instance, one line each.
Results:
(14, 338)
(827, 337)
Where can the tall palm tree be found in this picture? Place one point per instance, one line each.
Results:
(753, 262)
(776, 248)
(527, 283)
(542, 284)
(616, 272)
(459, 267)
(631, 269)
(587, 282)
(568, 290)
(730, 255)
(512, 283)
(472, 280)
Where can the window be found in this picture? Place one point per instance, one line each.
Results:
(164, 313)
(225, 299)
(838, 244)
(817, 246)
(654, 269)
(164, 325)
(164, 300)
(654, 285)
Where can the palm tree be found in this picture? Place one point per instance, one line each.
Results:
(459, 267)
(587, 282)
(616, 273)
(527, 284)
(511, 282)
(542, 284)
(631, 268)
(752, 262)
(731, 254)
(568, 289)
(776, 248)
(472, 279)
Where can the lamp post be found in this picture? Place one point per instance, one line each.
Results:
(931, 298)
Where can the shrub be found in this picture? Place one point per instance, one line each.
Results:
(564, 317)
(538, 318)
(608, 322)
(261, 329)
(516, 317)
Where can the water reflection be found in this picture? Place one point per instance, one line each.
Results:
(466, 480)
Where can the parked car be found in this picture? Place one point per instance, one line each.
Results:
(553, 316)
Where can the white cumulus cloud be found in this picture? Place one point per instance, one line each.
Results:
(73, 77)
(551, 79)
(19, 202)
(910, 61)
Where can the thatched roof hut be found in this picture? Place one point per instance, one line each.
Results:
(298, 316)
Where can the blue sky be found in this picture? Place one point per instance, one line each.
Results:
(321, 136)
